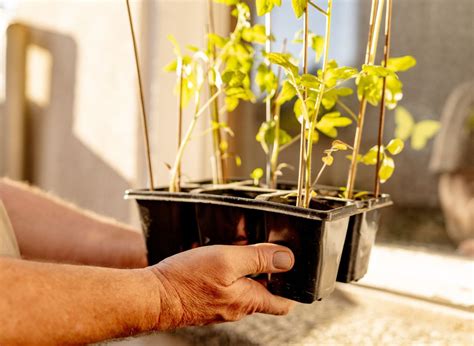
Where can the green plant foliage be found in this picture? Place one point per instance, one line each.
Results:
(299, 6)
(316, 43)
(387, 164)
(420, 132)
(330, 122)
(256, 175)
(266, 80)
(370, 81)
(266, 135)
(287, 93)
(265, 6)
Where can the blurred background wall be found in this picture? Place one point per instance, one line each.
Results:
(82, 136)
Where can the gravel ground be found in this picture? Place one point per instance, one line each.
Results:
(351, 316)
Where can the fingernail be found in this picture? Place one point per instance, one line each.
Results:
(282, 260)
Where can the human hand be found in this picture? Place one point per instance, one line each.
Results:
(209, 284)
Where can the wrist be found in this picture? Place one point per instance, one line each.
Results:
(149, 300)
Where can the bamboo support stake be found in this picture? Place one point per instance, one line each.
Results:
(388, 32)
(268, 102)
(303, 158)
(142, 99)
(180, 122)
(369, 59)
(219, 174)
(309, 149)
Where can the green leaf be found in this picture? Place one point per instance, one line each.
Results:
(404, 122)
(299, 6)
(255, 34)
(395, 146)
(266, 135)
(317, 43)
(370, 158)
(339, 145)
(310, 81)
(265, 6)
(266, 79)
(387, 168)
(217, 40)
(328, 160)
(174, 42)
(401, 63)
(238, 160)
(283, 60)
(330, 97)
(287, 93)
(423, 132)
(330, 121)
(256, 175)
(171, 67)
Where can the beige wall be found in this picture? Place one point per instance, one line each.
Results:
(83, 133)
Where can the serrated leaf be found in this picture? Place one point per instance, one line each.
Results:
(283, 60)
(423, 132)
(395, 146)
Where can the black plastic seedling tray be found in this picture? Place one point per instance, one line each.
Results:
(174, 222)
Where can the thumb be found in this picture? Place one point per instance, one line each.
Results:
(261, 258)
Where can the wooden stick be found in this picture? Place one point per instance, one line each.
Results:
(388, 30)
(302, 161)
(180, 121)
(142, 99)
(268, 102)
(369, 59)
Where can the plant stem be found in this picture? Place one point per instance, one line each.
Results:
(142, 99)
(268, 102)
(219, 164)
(179, 156)
(369, 59)
(275, 148)
(180, 121)
(290, 143)
(302, 159)
(276, 142)
(388, 25)
(348, 110)
(319, 175)
(307, 196)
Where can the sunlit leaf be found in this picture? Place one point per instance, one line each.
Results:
(328, 160)
(395, 146)
(401, 63)
(265, 6)
(423, 132)
(386, 170)
(299, 6)
(287, 93)
(405, 123)
(256, 175)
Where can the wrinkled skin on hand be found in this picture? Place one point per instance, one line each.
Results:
(209, 284)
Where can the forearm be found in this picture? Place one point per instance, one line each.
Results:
(64, 304)
(50, 229)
